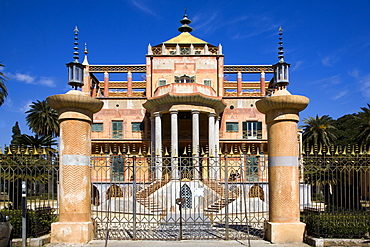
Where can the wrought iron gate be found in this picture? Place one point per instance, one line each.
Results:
(171, 198)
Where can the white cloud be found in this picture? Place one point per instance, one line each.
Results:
(33, 80)
(354, 73)
(47, 81)
(8, 103)
(297, 66)
(21, 77)
(336, 79)
(365, 85)
(26, 106)
(331, 59)
(140, 4)
(340, 95)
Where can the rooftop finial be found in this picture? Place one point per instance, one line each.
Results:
(85, 62)
(85, 50)
(281, 48)
(75, 53)
(185, 24)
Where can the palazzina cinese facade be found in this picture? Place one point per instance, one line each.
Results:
(175, 148)
(180, 103)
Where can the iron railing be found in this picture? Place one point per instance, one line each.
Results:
(40, 172)
(337, 195)
(179, 198)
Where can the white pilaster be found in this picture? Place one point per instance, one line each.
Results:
(174, 144)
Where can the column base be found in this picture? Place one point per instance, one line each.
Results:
(279, 233)
(72, 232)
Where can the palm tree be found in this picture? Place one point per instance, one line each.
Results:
(319, 131)
(36, 141)
(364, 127)
(3, 90)
(42, 119)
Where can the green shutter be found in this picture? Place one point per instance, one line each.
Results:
(117, 129)
(259, 130)
(97, 127)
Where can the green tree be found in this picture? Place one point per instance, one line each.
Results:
(3, 89)
(347, 129)
(16, 134)
(319, 131)
(42, 119)
(364, 126)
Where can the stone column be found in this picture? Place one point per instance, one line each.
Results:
(158, 145)
(262, 83)
(174, 144)
(211, 145)
(129, 84)
(211, 134)
(195, 142)
(282, 116)
(152, 136)
(75, 116)
(195, 132)
(217, 148)
(239, 83)
(217, 135)
(106, 84)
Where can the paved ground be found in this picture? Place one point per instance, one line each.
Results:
(184, 243)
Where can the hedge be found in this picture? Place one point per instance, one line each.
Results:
(338, 224)
(38, 221)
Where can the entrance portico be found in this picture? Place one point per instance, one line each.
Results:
(170, 100)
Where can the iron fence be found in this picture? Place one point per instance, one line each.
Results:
(170, 198)
(40, 172)
(337, 200)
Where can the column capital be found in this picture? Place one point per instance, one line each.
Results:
(157, 114)
(74, 105)
(211, 114)
(174, 111)
(194, 111)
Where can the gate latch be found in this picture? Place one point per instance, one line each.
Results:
(180, 201)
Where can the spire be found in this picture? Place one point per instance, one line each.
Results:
(85, 62)
(281, 69)
(75, 68)
(75, 53)
(281, 48)
(185, 24)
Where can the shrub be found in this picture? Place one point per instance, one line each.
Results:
(38, 221)
(338, 224)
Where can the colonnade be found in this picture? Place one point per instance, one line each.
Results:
(156, 138)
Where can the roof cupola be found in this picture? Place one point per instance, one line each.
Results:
(185, 24)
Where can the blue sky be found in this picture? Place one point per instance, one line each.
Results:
(327, 44)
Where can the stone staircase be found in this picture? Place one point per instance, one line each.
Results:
(143, 197)
(222, 201)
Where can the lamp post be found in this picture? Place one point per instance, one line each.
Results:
(75, 68)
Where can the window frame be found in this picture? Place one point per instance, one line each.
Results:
(207, 80)
(232, 125)
(118, 133)
(140, 129)
(94, 125)
(252, 130)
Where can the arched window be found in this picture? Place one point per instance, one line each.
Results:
(257, 191)
(95, 196)
(187, 195)
(114, 191)
(184, 79)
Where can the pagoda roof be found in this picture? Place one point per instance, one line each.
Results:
(185, 38)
